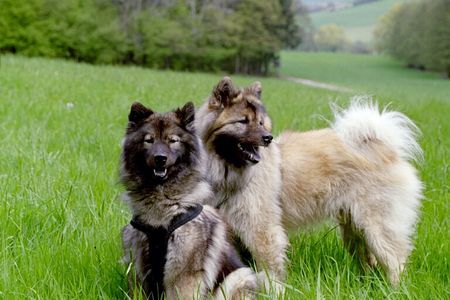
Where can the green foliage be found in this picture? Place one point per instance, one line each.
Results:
(330, 38)
(235, 36)
(418, 33)
(77, 29)
(292, 36)
(259, 34)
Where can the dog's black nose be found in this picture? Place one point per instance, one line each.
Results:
(160, 159)
(267, 139)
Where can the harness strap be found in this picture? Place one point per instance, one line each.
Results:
(182, 219)
(158, 238)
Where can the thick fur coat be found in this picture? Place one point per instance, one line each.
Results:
(357, 172)
(245, 172)
(163, 176)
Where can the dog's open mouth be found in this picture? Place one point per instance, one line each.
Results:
(250, 152)
(160, 172)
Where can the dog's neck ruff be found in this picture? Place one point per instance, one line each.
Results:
(158, 238)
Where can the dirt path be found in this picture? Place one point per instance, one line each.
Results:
(320, 85)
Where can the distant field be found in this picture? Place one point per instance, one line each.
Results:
(377, 75)
(61, 214)
(358, 21)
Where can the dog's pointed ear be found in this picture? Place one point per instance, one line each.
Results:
(255, 89)
(138, 113)
(186, 115)
(223, 93)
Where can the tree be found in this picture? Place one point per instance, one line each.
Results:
(235, 36)
(259, 35)
(330, 38)
(292, 34)
(77, 29)
(417, 33)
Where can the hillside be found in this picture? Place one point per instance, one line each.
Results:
(358, 21)
(377, 75)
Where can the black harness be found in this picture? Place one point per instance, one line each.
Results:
(158, 241)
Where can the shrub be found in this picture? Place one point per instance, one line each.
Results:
(330, 38)
(236, 36)
(417, 33)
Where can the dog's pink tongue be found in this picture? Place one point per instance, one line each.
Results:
(255, 157)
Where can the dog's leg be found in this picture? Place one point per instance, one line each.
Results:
(260, 231)
(133, 246)
(187, 286)
(354, 242)
(265, 239)
(238, 285)
(349, 236)
(390, 248)
(268, 243)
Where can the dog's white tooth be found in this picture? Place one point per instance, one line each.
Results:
(160, 173)
(251, 156)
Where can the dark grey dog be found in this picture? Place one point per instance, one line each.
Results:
(178, 248)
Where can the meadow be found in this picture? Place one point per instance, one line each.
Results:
(61, 125)
(358, 21)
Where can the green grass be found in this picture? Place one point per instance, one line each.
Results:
(60, 208)
(370, 74)
(358, 21)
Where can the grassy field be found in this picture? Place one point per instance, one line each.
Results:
(369, 74)
(61, 124)
(358, 21)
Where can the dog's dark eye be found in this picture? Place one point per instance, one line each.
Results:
(174, 139)
(243, 121)
(261, 123)
(149, 140)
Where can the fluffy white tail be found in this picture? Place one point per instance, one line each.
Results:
(362, 121)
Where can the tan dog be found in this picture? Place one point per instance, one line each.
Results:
(245, 172)
(357, 172)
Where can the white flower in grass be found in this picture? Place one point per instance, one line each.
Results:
(70, 105)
